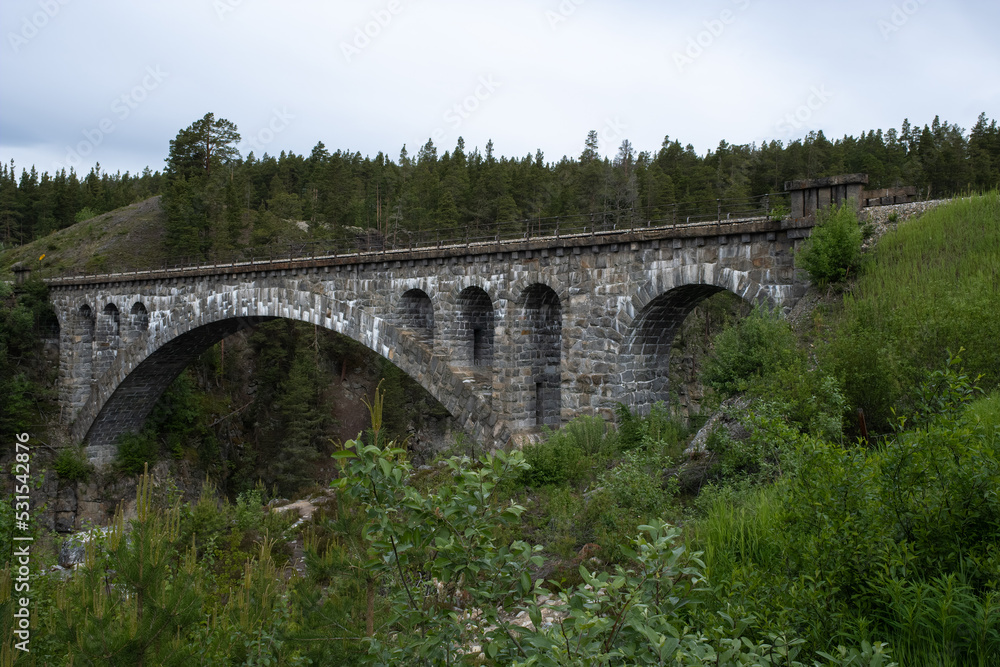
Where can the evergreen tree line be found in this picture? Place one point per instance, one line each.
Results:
(217, 201)
(342, 194)
(36, 205)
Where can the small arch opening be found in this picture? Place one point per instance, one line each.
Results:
(541, 351)
(416, 314)
(139, 316)
(111, 320)
(475, 328)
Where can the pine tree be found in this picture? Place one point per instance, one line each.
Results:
(133, 604)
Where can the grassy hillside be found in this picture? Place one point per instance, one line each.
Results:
(124, 239)
(931, 286)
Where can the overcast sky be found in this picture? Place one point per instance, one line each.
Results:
(113, 81)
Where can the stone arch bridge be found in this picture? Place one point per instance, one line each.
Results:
(507, 335)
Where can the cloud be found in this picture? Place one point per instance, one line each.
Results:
(563, 66)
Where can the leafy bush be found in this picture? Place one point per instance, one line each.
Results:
(764, 452)
(589, 434)
(757, 345)
(637, 483)
(834, 247)
(134, 451)
(657, 428)
(72, 465)
(566, 455)
(557, 460)
(84, 214)
(809, 398)
(928, 287)
(249, 509)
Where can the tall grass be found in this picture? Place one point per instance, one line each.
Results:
(930, 286)
(940, 622)
(739, 530)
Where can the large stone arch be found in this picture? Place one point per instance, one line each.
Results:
(122, 397)
(654, 313)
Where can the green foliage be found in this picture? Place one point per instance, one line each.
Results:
(805, 395)
(637, 484)
(448, 535)
(72, 465)
(84, 214)
(25, 316)
(556, 460)
(834, 247)
(929, 287)
(896, 542)
(154, 602)
(133, 451)
(249, 509)
(589, 434)
(757, 345)
(761, 455)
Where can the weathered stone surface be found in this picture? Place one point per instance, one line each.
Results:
(508, 337)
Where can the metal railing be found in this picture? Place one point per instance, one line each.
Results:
(399, 242)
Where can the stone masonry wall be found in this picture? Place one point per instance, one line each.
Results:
(533, 334)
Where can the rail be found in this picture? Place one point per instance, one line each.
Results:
(400, 241)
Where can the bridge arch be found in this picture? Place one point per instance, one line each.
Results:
(80, 347)
(538, 351)
(653, 315)
(415, 313)
(124, 394)
(473, 330)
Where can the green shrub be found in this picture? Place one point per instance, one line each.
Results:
(249, 509)
(589, 434)
(757, 345)
(637, 483)
(72, 465)
(658, 429)
(556, 460)
(134, 450)
(809, 398)
(764, 453)
(834, 247)
(84, 214)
